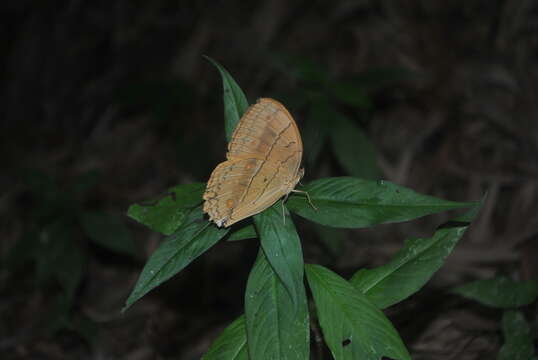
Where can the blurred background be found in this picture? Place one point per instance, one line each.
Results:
(109, 103)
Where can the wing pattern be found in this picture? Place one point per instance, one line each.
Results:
(262, 164)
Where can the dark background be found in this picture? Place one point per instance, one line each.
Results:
(115, 97)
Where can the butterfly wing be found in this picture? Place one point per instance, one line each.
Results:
(226, 187)
(266, 126)
(264, 156)
(266, 188)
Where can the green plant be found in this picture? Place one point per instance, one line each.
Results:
(508, 295)
(57, 233)
(276, 323)
(339, 111)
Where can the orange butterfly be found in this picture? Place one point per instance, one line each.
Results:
(263, 164)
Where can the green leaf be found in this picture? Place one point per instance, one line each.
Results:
(282, 248)
(174, 254)
(353, 149)
(50, 247)
(58, 256)
(351, 93)
(306, 70)
(518, 343)
(246, 232)
(348, 202)
(167, 214)
(231, 344)
(411, 267)
(50, 201)
(235, 101)
(376, 79)
(58, 315)
(500, 292)
(88, 329)
(69, 267)
(275, 328)
(353, 327)
(316, 130)
(108, 231)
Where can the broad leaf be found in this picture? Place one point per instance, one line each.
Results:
(70, 267)
(59, 256)
(353, 149)
(501, 292)
(58, 315)
(231, 344)
(282, 248)
(90, 330)
(351, 93)
(303, 68)
(235, 101)
(348, 202)
(167, 214)
(275, 328)
(108, 231)
(247, 232)
(412, 266)
(51, 200)
(518, 342)
(376, 79)
(316, 130)
(353, 327)
(174, 254)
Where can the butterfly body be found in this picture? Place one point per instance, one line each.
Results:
(263, 164)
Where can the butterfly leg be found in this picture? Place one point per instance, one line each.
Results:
(307, 196)
(283, 213)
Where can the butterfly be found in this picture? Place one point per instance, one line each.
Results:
(262, 165)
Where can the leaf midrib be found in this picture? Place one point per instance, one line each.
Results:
(363, 203)
(320, 281)
(169, 260)
(401, 264)
(335, 300)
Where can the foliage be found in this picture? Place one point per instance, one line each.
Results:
(500, 292)
(353, 326)
(56, 240)
(518, 344)
(412, 266)
(507, 294)
(276, 323)
(339, 112)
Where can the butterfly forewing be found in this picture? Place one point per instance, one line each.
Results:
(266, 126)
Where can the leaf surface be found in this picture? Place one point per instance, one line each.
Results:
(276, 329)
(352, 326)
(348, 202)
